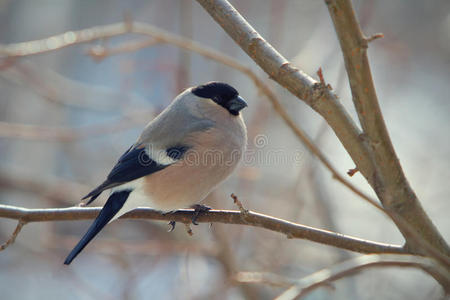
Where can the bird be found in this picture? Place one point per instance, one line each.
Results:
(186, 151)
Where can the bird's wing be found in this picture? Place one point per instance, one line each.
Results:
(136, 163)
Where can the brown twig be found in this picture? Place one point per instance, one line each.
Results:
(264, 278)
(100, 52)
(48, 187)
(291, 230)
(60, 90)
(239, 204)
(375, 37)
(12, 238)
(309, 283)
(388, 178)
(64, 134)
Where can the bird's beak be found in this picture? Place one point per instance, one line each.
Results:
(236, 104)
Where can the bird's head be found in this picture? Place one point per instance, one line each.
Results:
(222, 94)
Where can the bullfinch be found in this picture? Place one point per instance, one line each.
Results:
(181, 155)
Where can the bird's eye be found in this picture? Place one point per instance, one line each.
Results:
(176, 152)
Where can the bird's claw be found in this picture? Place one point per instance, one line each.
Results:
(198, 209)
(171, 226)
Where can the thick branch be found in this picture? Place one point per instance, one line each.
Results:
(291, 230)
(390, 183)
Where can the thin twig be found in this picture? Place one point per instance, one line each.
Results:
(64, 134)
(375, 37)
(264, 278)
(309, 283)
(12, 238)
(60, 90)
(239, 204)
(290, 229)
(101, 52)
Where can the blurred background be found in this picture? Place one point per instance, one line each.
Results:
(65, 118)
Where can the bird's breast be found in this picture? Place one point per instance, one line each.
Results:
(212, 157)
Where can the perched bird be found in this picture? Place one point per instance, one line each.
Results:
(182, 154)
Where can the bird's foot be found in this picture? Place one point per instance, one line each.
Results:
(171, 223)
(171, 226)
(198, 209)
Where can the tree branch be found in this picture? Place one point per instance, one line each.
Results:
(350, 267)
(291, 230)
(390, 182)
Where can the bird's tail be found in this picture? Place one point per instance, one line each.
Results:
(111, 208)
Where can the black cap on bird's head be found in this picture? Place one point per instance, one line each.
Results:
(223, 94)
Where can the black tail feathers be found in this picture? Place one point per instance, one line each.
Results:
(111, 208)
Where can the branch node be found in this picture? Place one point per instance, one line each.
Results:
(375, 37)
(352, 172)
(286, 69)
(320, 74)
(254, 44)
(320, 88)
(236, 201)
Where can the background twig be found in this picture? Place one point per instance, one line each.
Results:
(309, 283)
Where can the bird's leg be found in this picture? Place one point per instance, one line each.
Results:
(171, 223)
(198, 209)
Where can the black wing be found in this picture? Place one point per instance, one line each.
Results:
(133, 164)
